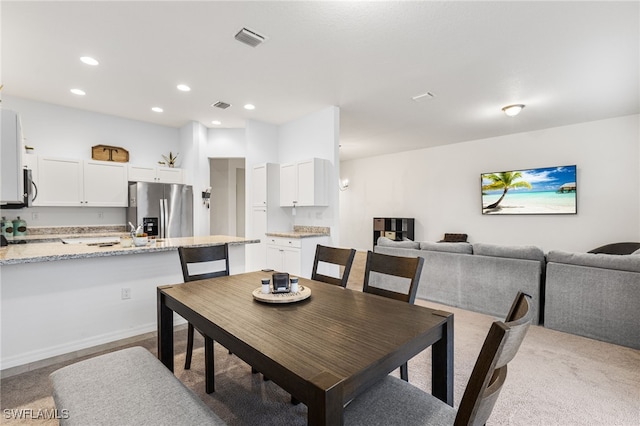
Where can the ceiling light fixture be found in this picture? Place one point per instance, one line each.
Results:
(157, 109)
(89, 60)
(78, 92)
(423, 97)
(216, 122)
(249, 106)
(183, 88)
(513, 110)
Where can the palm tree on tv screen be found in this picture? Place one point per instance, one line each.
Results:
(504, 181)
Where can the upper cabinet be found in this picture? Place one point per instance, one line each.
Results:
(11, 148)
(259, 183)
(304, 183)
(155, 174)
(73, 182)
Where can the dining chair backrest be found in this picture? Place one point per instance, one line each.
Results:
(339, 258)
(490, 371)
(199, 255)
(397, 266)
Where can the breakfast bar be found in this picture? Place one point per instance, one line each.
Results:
(63, 299)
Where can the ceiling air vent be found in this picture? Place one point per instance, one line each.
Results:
(221, 105)
(249, 37)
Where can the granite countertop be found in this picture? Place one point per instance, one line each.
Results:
(52, 251)
(302, 232)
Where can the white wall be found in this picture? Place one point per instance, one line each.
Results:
(440, 188)
(58, 131)
(315, 136)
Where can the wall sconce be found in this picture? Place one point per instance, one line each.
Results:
(343, 184)
(513, 110)
(206, 197)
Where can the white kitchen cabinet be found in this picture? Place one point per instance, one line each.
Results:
(155, 174)
(304, 183)
(284, 254)
(293, 255)
(11, 149)
(259, 185)
(266, 214)
(74, 182)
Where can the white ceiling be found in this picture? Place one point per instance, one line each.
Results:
(569, 62)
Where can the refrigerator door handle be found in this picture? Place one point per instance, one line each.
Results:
(162, 224)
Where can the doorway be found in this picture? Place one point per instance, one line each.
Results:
(227, 205)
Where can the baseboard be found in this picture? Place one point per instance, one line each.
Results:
(53, 355)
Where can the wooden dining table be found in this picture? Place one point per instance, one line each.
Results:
(324, 350)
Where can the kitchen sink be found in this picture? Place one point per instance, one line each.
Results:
(91, 240)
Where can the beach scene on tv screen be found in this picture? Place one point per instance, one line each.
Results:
(547, 190)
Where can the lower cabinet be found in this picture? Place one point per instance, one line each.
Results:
(293, 255)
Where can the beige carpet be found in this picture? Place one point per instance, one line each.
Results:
(556, 379)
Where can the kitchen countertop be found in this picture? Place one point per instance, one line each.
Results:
(302, 232)
(52, 251)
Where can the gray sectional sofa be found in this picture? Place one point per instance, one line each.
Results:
(594, 295)
(479, 277)
(591, 295)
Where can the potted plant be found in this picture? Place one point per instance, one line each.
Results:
(169, 160)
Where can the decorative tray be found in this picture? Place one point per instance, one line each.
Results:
(303, 293)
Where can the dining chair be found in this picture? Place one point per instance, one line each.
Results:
(406, 268)
(394, 401)
(199, 263)
(332, 259)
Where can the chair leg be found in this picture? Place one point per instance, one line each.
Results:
(209, 370)
(404, 372)
(187, 360)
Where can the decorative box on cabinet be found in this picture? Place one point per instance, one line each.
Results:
(304, 183)
(393, 228)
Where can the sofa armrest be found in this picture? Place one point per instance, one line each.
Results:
(630, 263)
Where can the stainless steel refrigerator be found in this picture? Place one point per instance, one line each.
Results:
(165, 210)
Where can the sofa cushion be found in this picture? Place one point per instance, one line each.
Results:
(513, 252)
(384, 241)
(464, 248)
(596, 260)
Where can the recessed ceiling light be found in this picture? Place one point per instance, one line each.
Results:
(157, 109)
(216, 122)
(513, 110)
(89, 60)
(78, 92)
(249, 106)
(183, 88)
(423, 96)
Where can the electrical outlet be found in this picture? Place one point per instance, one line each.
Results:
(100, 215)
(126, 293)
(35, 216)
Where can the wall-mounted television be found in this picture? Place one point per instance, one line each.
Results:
(546, 190)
